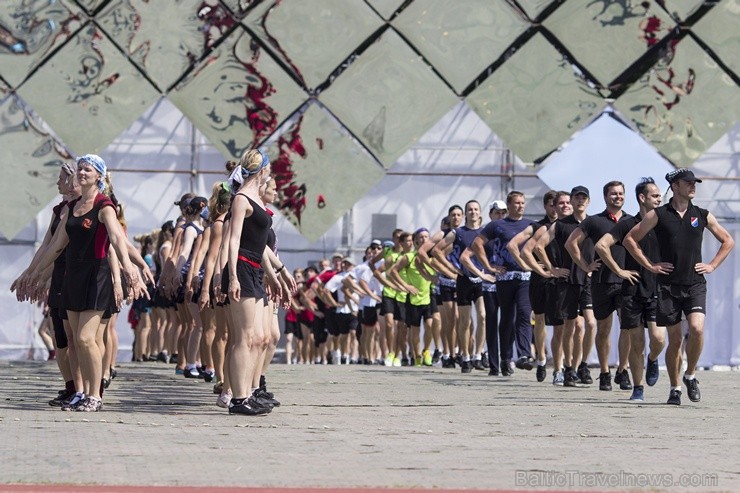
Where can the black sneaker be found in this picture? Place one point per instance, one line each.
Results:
(652, 372)
(163, 357)
(605, 381)
(174, 358)
(62, 397)
(569, 378)
(584, 374)
(506, 370)
(448, 363)
(524, 363)
(623, 379)
(266, 397)
(692, 389)
(241, 406)
(466, 367)
(106, 382)
(259, 402)
(541, 373)
(484, 359)
(436, 356)
(192, 373)
(493, 372)
(404, 361)
(478, 365)
(674, 398)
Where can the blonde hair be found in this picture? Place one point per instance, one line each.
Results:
(251, 161)
(219, 201)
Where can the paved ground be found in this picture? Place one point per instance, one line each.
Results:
(359, 426)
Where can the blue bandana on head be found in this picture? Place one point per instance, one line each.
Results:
(96, 162)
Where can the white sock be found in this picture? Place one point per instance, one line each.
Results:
(542, 362)
(689, 377)
(676, 388)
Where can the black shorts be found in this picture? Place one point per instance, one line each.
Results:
(538, 292)
(577, 299)
(399, 311)
(468, 291)
(369, 316)
(675, 299)
(607, 297)
(637, 311)
(345, 323)
(320, 335)
(447, 293)
(387, 305)
(415, 314)
(292, 327)
(433, 304)
(330, 322)
(556, 294)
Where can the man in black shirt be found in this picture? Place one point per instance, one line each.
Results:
(572, 294)
(639, 299)
(605, 285)
(681, 287)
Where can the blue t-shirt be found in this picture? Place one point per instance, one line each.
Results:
(500, 233)
(464, 237)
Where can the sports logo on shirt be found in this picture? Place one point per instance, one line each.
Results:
(695, 222)
(87, 223)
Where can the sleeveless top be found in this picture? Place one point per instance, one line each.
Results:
(88, 237)
(255, 229)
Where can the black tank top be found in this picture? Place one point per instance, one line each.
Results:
(57, 218)
(255, 229)
(88, 237)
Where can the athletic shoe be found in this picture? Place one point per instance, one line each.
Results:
(389, 359)
(209, 376)
(605, 381)
(674, 398)
(652, 372)
(493, 372)
(478, 365)
(569, 378)
(75, 401)
(692, 389)
(541, 373)
(90, 405)
(623, 379)
(267, 397)
(466, 367)
(397, 362)
(417, 362)
(256, 403)
(343, 360)
(584, 374)
(174, 359)
(448, 362)
(218, 388)
(192, 373)
(224, 400)
(558, 378)
(162, 356)
(242, 407)
(62, 396)
(427, 358)
(113, 373)
(638, 394)
(106, 382)
(405, 361)
(506, 370)
(484, 359)
(436, 356)
(524, 363)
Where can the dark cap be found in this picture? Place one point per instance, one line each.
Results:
(184, 200)
(681, 174)
(580, 189)
(197, 203)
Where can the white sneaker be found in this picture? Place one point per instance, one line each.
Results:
(224, 400)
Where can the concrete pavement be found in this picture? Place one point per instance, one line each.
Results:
(362, 426)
